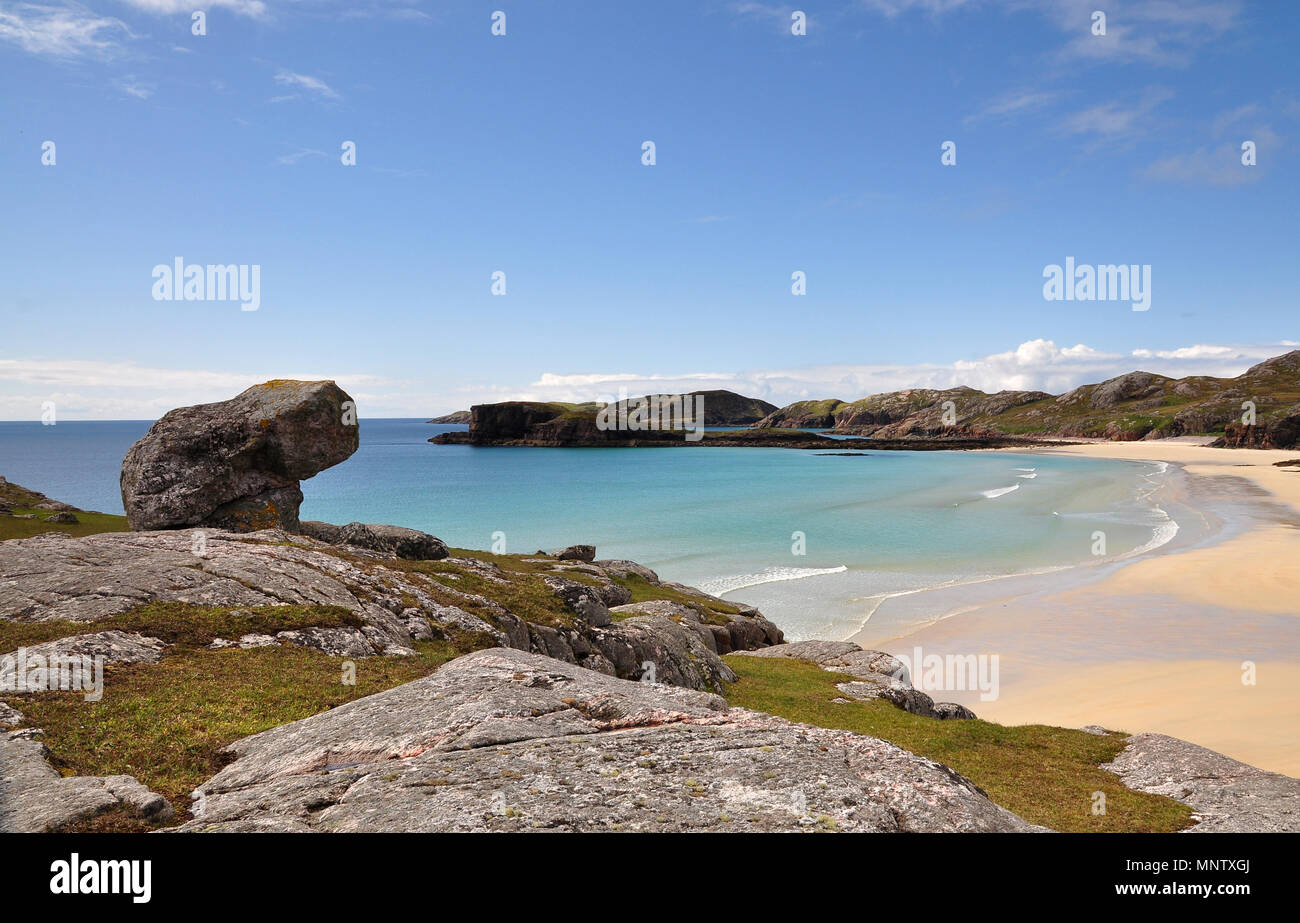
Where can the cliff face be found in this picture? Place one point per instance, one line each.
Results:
(1136, 405)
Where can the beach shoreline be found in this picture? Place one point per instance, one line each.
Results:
(1198, 641)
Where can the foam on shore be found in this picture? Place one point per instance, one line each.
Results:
(770, 575)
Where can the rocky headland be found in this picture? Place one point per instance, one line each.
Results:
(1258, 409)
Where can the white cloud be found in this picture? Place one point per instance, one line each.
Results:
(892, 8)
(314, 84)
(1226, 119)
(775, 14)
(133, 87)
(1010, 105)
(253, 9)
(1219, 165)
(289, 160)
(91, 389)
(1159, 32)
(1114, 120)
(63, 32)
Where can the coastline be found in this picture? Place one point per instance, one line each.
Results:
(1158, 642)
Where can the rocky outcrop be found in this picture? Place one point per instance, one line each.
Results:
(876, 675)
(410, 544)
(1227, 796)
(34, 798)
(236, 464)
(507, 741)
(92, 578)
(1280, 433)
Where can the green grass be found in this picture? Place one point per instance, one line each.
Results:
(23, 502)
(165, 723)
(90, 524)
(1047, 775)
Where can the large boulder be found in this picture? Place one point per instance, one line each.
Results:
(503, 740)
(236, 464)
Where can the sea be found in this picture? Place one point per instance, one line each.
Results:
(822, 541)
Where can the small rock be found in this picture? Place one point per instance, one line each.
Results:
(582, 599)
(951, 711)
(337, 642)
(627, 569)
(69, 518)
(578, 553)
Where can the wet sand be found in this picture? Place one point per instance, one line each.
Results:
(1161, 643)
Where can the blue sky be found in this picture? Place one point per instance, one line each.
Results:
(522, 153)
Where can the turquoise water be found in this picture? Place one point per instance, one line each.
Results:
(724, 519)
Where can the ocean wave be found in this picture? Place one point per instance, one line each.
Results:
(1027, 477)
(998, 491)
(1024, 469)
(770, 575)
(1162, 534)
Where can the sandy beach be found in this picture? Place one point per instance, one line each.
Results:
(1199, 642)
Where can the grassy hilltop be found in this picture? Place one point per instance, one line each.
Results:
(1137, 405)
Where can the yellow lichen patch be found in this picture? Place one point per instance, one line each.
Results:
(252, 520)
